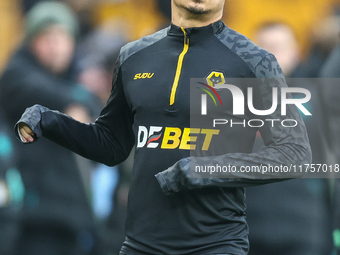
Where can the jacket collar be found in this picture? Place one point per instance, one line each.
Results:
(215, 27)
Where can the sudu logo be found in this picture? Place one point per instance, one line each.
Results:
(143, 76)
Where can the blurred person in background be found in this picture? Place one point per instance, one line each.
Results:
(330, 92)
(11, 190)
(302, 15)
(323, 38)
(301, 222)
(95, 56)
(57, 217)
(278, 38)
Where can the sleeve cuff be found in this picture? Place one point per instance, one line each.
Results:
(162, 183)
(32, 117)
(19, 136)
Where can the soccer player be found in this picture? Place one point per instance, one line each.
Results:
(149, 107)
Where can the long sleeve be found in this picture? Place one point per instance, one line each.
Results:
(284, 146)
(109, 140)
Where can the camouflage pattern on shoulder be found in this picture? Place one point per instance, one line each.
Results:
(261, 62)
(135, 46)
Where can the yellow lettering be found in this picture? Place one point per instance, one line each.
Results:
(186, 138)
(143, 76)
(208, 136)
(137, 76)
(171, 134)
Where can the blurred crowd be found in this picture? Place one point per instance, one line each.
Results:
(61, 54)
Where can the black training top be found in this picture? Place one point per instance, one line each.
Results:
(150, 107)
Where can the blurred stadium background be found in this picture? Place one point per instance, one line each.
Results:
(311, 20)
(302, 49)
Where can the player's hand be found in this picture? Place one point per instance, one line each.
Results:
(26, 132)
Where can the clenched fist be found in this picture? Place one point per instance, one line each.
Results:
(26, 132)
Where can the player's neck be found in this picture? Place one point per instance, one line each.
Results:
(184, 19)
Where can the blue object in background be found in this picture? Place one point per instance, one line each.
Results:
(103, 183)
(6, 147)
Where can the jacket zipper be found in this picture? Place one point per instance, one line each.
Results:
(179, 67)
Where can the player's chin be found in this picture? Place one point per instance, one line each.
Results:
(197, 10)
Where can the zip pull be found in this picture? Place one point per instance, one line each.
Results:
(186, 38)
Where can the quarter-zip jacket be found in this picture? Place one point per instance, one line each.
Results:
(149, 101)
